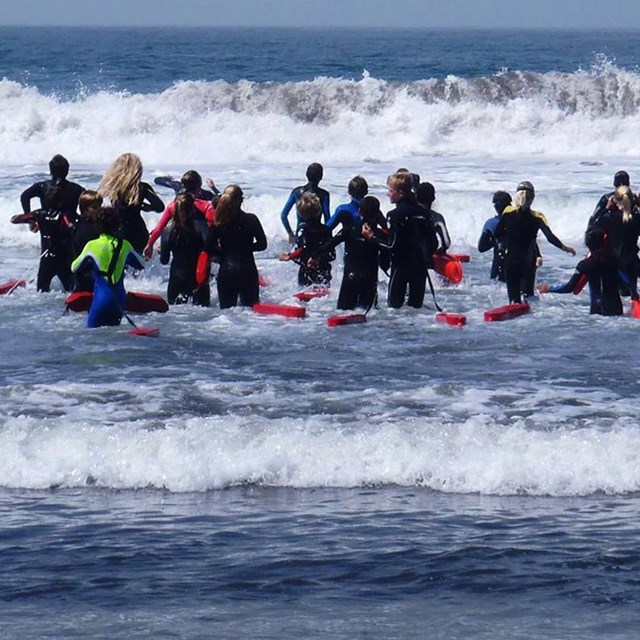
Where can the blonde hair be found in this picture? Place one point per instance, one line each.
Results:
(402, 181)
(308, 206)
(623, 197)
(523, 199)
(228, 208)
(121, 182)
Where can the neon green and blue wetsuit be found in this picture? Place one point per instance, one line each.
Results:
(109, 256)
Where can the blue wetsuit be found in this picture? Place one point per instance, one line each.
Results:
(295, 195)
(109, 256)
(346, 215)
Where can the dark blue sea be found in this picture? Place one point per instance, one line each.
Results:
(245, 476)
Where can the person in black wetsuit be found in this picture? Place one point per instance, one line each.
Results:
(601, 268)
(362, 242)
(520, 226)
(67, 193)
(85, 230)
(488, 239)
(620, 179)
(315, 265)
(620, 220)
(123, 187)
(190, 177)
(315, 173)
(232, 240)
(426, 195)
(184, 239)
(413, 242)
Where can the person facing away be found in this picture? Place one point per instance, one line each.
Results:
(178, 186)
(348, 214)
(601, 268)
(108, 254)
(191, 183)
(520, 225)
(182, 242)
(89, 203)
(315, 265)
(362, 243)
(232, 240)
(413, 243)
(426, 195)
(67, 193)
(620, 179)
(122, 186)
(314, 174)
(488, 239)
(621, 223)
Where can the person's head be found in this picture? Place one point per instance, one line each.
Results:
(314, 172)
(525, 194)
(59, 167)
(121, 182)
(415, 178)
(191, 181)
(370, 210)
(595, 239)
(399, 186)
(309, 207)
(500, 200)
(358, 187)
(621, 179)
(89, 204)
(107, 221)
(425, 194)
(624, 200)
(229, 205)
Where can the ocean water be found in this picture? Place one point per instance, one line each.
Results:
(251, 476)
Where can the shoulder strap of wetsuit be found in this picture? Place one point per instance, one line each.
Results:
(114, 260)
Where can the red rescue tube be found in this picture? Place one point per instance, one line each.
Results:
(305, 296)
(460, 257)
(506, 313)
(635, 309)
(288, 311)
(136, 302)
(147, 332)
(11, 285)
(352, 318)
(79, 301)
(580, 285)
(453, 319)
(448, 267)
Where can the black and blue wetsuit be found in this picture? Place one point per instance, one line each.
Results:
(489, 240)
(295, 195)
(310, 237)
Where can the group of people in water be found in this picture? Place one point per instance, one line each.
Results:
(88, 238)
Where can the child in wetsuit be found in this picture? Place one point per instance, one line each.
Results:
(184, 239)
(108, 255)
(85, 230)
(315, 266)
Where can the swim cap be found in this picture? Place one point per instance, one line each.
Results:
(525, 185)
(621, 179)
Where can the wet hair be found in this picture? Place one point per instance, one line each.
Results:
(107, 221)
(183, 212)
(121, 182)
(308, 206)
(191, 180)
(595, 239)
(402, 181)
(525, 195)
(358, 187)
(620, 179)
(314, 172)
(370, 210)
(229, 206)
(501, 199)
(87, 200)
(624, 199)
(426, 193)
(59, 167)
